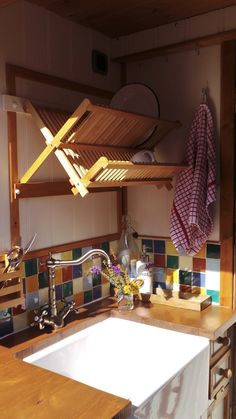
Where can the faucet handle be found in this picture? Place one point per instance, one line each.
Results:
(39, 319)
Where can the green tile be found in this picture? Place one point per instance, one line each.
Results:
(43, 279)
(31, 267)
(172, 262)
(96, 279)
(106, 247)
(88, 296)
(67, 289)
(213, 251)
(76, 253)
(185, 277)
(215, 295)
(148, 244)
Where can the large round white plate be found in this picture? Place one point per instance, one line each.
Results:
(136, 98)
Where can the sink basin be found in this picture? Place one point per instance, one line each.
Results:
(139, 362)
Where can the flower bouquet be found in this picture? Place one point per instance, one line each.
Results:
(125, 287)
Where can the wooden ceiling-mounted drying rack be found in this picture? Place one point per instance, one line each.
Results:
(95, 145)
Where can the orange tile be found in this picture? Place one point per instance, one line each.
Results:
(58, 276)
(78, 299)
(201, 253)
(32, 283)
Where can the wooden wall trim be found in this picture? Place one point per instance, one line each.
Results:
(95, 241)
(227, 184)
(13, 72)
(191, 44)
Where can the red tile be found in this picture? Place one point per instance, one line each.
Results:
(18, 310)
(159, 260)
(199, 265)
(67, 273)
(185, 288)
(41, 263)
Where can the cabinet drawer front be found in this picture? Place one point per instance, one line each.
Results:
(220, 374)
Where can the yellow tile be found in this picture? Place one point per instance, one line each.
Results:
(67, 255)
(172, 276)
(58, 276)
(201, 253)
(186, 263)
(170, 248)
(22, 269)
(105, 290)
(77, 285)
(86, 267)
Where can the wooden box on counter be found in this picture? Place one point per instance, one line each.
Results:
(191, 301)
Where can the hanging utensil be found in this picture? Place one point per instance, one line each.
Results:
(16, 255)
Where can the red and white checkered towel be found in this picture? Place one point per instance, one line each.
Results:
(191, 222)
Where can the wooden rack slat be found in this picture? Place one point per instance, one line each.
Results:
(11, 289)
(96, 144)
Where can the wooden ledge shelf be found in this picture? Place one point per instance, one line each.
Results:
(95, 146)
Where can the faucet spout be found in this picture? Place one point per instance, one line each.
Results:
(54, 263)
(53, 318)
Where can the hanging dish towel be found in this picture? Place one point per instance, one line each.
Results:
(191, 222)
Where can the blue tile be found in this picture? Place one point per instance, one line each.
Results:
(159, 246)
(97, 292)
(199, 279)
(6, 326)
(77, 271)
(59, 292)
(87, 282)
(196, 279)
(86, 249)
(149, 245)
(32, 300)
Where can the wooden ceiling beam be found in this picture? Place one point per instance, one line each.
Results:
(192, 44)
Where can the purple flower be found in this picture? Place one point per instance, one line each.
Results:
(116, 269)
(95, 270)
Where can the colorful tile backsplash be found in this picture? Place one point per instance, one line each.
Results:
(171, 270)
(71, 283)
(200, 274)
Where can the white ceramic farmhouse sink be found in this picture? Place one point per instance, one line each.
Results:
(162, 372)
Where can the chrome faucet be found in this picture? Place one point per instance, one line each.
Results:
(49, 315)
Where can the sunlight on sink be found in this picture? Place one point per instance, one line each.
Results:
(134, 361)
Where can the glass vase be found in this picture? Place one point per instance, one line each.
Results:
(127, 247)
(125, 302)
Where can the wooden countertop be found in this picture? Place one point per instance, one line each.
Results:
(28, 392)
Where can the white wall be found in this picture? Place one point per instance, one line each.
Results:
(177, 80)
(34, 38)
